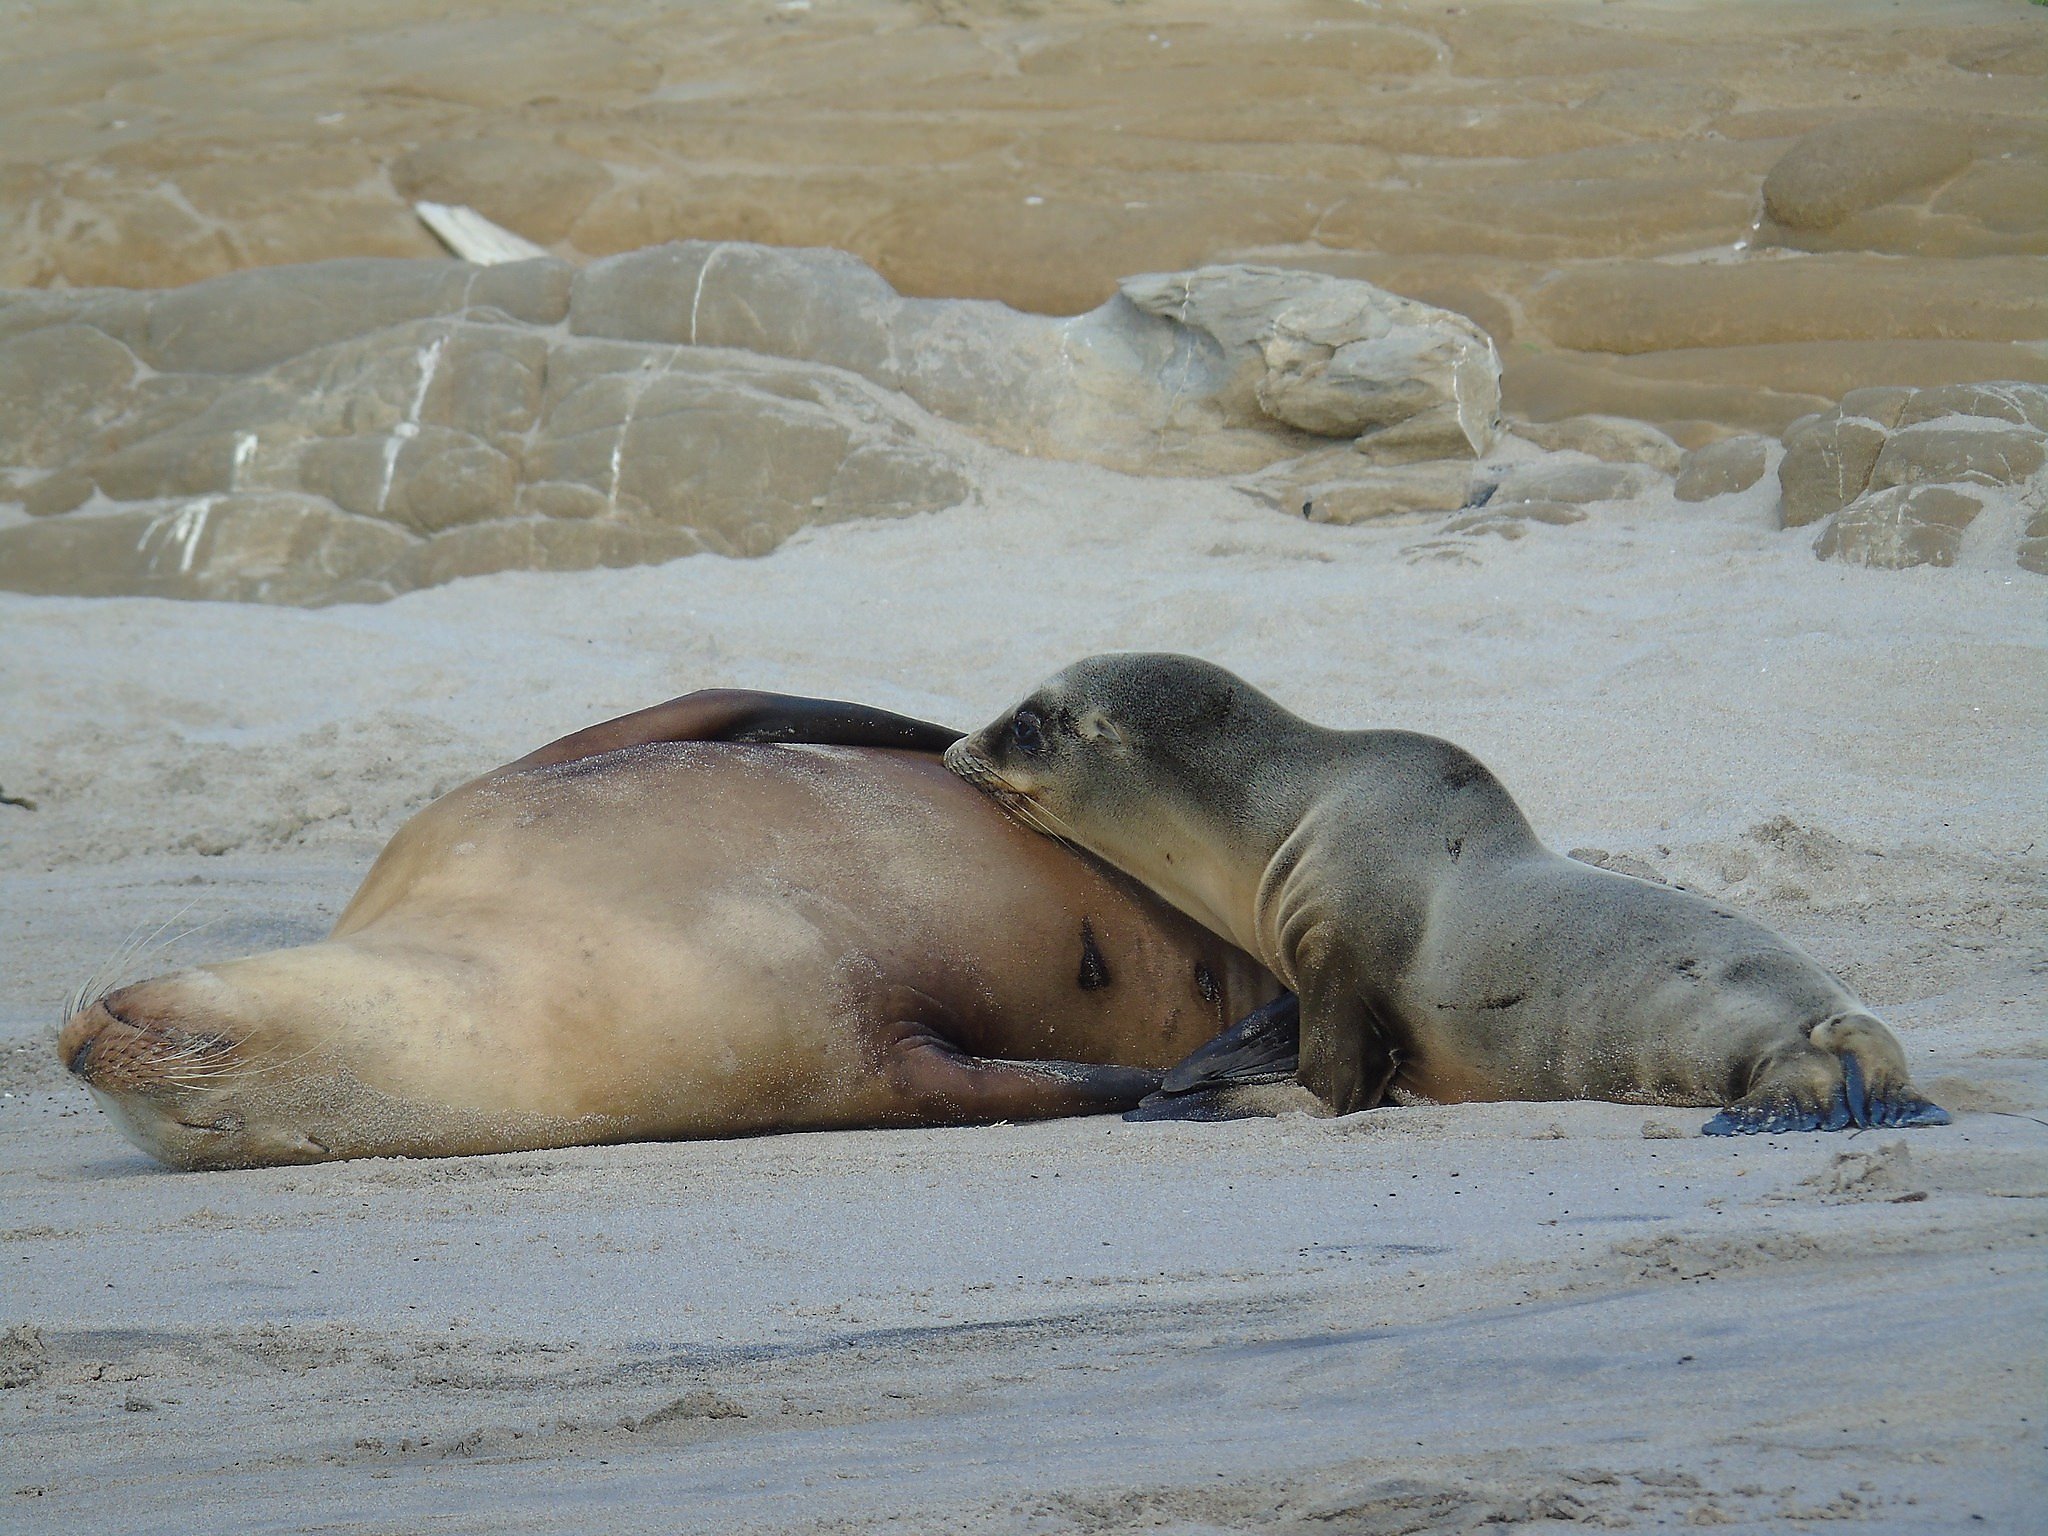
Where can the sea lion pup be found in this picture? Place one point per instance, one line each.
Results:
(665, 927)
(1434, 943)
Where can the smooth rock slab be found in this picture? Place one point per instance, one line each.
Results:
(266, 547)
(1848, 166)
(357, 429)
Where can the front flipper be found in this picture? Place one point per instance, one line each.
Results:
(744, 714)
(1260, 1049)
(1849, 1072)
(943, 1085)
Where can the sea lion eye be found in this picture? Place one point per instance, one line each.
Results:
(1027, 733)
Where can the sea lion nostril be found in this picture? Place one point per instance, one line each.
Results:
(75, 1063)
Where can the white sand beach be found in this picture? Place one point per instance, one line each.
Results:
(1424, 1316)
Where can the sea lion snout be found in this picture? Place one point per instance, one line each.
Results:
(75, 1040)
(170, 1061)
(138, 1037)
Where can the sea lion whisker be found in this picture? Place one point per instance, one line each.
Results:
(268, 1065)
(984, 776)
(106, 977)
(91, 987)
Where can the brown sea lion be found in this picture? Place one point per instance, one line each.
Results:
(1435, 945)
(677, 924)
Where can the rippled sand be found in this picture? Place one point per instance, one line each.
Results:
(1573, 176)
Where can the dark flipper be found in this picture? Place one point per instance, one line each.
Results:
(942, 1084)
(741, 714)
(1222, 1101)
(1776, 1108)
(1260, 1048)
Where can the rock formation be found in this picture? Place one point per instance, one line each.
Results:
(1899, 476)
(353, 429)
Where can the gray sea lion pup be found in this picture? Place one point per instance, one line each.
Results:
(731, 913)
(1434, 943)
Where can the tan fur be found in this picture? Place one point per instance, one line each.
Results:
(681, 939)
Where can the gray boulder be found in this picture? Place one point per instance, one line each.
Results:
(1222, 369)
(1900, 526)
(1897, 477)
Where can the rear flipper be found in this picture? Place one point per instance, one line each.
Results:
(1849, 1071)
(1232, 1077)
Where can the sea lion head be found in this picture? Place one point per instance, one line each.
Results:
(241, 1063)
(1149, 762)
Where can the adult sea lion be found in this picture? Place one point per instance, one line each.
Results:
(1434, 943)
(671, 926)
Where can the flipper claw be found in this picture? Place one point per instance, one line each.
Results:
(1854, 1097)
(1919, 1112)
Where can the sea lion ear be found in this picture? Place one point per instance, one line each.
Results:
(1096, 726)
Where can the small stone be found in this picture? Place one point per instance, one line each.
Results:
(1511, 520)
(1615, 439)
(1722, 469)
(1574, 481)
(2033, 546)
(1827, 464)
(1359, 494)
(703, 1404)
